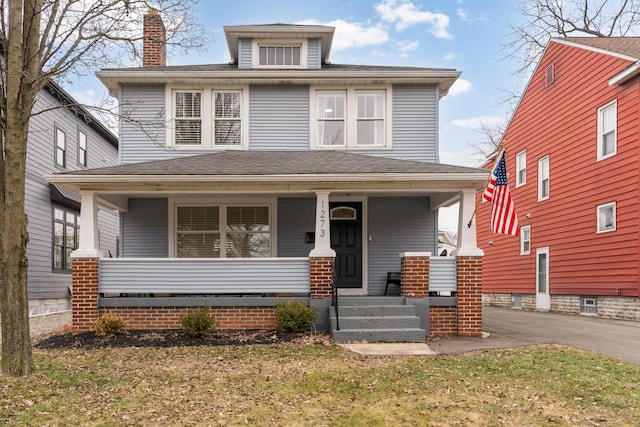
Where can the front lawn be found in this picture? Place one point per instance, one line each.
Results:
(316, 384)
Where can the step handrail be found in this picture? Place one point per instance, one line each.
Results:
(334, 292)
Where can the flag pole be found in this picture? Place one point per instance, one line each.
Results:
(486, 182)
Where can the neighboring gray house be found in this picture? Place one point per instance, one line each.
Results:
(241, 182)
(62, 137)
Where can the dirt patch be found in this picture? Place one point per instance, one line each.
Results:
(175, 338)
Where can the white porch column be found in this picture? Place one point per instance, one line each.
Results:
(467, 243)
(89, 244)
(323, 238)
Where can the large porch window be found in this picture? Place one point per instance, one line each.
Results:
(220, 231)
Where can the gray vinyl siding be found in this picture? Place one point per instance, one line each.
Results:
(313, 53)
(144, 229)
(244, 53)
(43, 283)
(279, 117)
(442, 274)
(143, 136)
(295, 218)
(397, 225)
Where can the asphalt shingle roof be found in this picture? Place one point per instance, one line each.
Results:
(325, 162)
(629, 46)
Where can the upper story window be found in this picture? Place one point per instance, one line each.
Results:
(521, 168)
(351, 118)
(82, 148)
(525, 240)
(606, 217)
(61, 148)
(279, 53)
(543, 178)
(207, 118)
(607, 130)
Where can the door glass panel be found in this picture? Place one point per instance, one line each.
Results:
(542, 273)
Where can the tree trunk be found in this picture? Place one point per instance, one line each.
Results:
(23, 65)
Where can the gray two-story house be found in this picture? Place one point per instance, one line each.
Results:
(254, 180)
(63, 136)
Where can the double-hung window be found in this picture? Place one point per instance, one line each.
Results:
(607, 130)
(351, 118)
(82, 148)
(188, 118)
(606, 217)
(521, 168)
(61, 148)
(525, 240)
(207, 118)
(66, 232)
(543, 178)
(223, 231)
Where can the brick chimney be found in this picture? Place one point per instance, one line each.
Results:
(154, 39)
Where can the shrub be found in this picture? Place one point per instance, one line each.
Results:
(198, 323)
(295, 316)
(110, 325)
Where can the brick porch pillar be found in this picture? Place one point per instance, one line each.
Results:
(84, 278)
(414, 274)
(321, 269)
(469, 280)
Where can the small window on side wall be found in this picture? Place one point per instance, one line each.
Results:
(82, 148)
(521, 168)
(606, 217)
(607, 130)
(61, 148)
(543, 178)
(525, 240)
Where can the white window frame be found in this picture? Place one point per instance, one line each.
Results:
(222, 204)
(60, 147)
(521, 166)
(256, 44)
(611, 105)
(541, 177)
(600, 211)
(525, 238)
(65, 222)
(207, 117)
(351, 119)
(82, 148)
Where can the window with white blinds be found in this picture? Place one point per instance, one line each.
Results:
(188, 118)
(226, 120)
(201, 231)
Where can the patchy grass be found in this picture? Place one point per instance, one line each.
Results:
(312, 384)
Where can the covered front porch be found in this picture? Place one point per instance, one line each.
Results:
(239, 243)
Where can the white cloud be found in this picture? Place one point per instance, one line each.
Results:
(353, 34)
(460, 86)
(463, 14)
(450, 56)
(406, 47)
(405, 14)
(477, 122)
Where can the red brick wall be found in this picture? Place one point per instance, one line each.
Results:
(84, 279)
(154, 50)
(320, 277)
(169, 317)
(443, 321)
(469, 280)
(414, 276)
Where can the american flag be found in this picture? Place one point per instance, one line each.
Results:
(504, 218)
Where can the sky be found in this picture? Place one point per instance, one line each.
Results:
(465, 35)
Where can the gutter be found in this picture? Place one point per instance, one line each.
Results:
(626, 74)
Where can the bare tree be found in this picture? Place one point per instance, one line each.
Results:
(544, 19)
(490, 136)
(41, 41)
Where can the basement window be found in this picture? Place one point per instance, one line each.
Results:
(588, 304)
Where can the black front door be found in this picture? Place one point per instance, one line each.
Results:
(346, 240)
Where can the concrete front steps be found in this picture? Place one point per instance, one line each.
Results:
(376, 319)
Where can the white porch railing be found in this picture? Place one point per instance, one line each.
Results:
(442, 274)
(204, 276)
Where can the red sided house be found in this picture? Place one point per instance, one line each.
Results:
(245, 183)
(573, 154)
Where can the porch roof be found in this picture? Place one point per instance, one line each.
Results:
(273, 171)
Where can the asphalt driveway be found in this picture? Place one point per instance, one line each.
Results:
(619, 339)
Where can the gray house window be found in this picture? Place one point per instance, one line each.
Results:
(82, 148)
(61, 148)
(66, 231)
